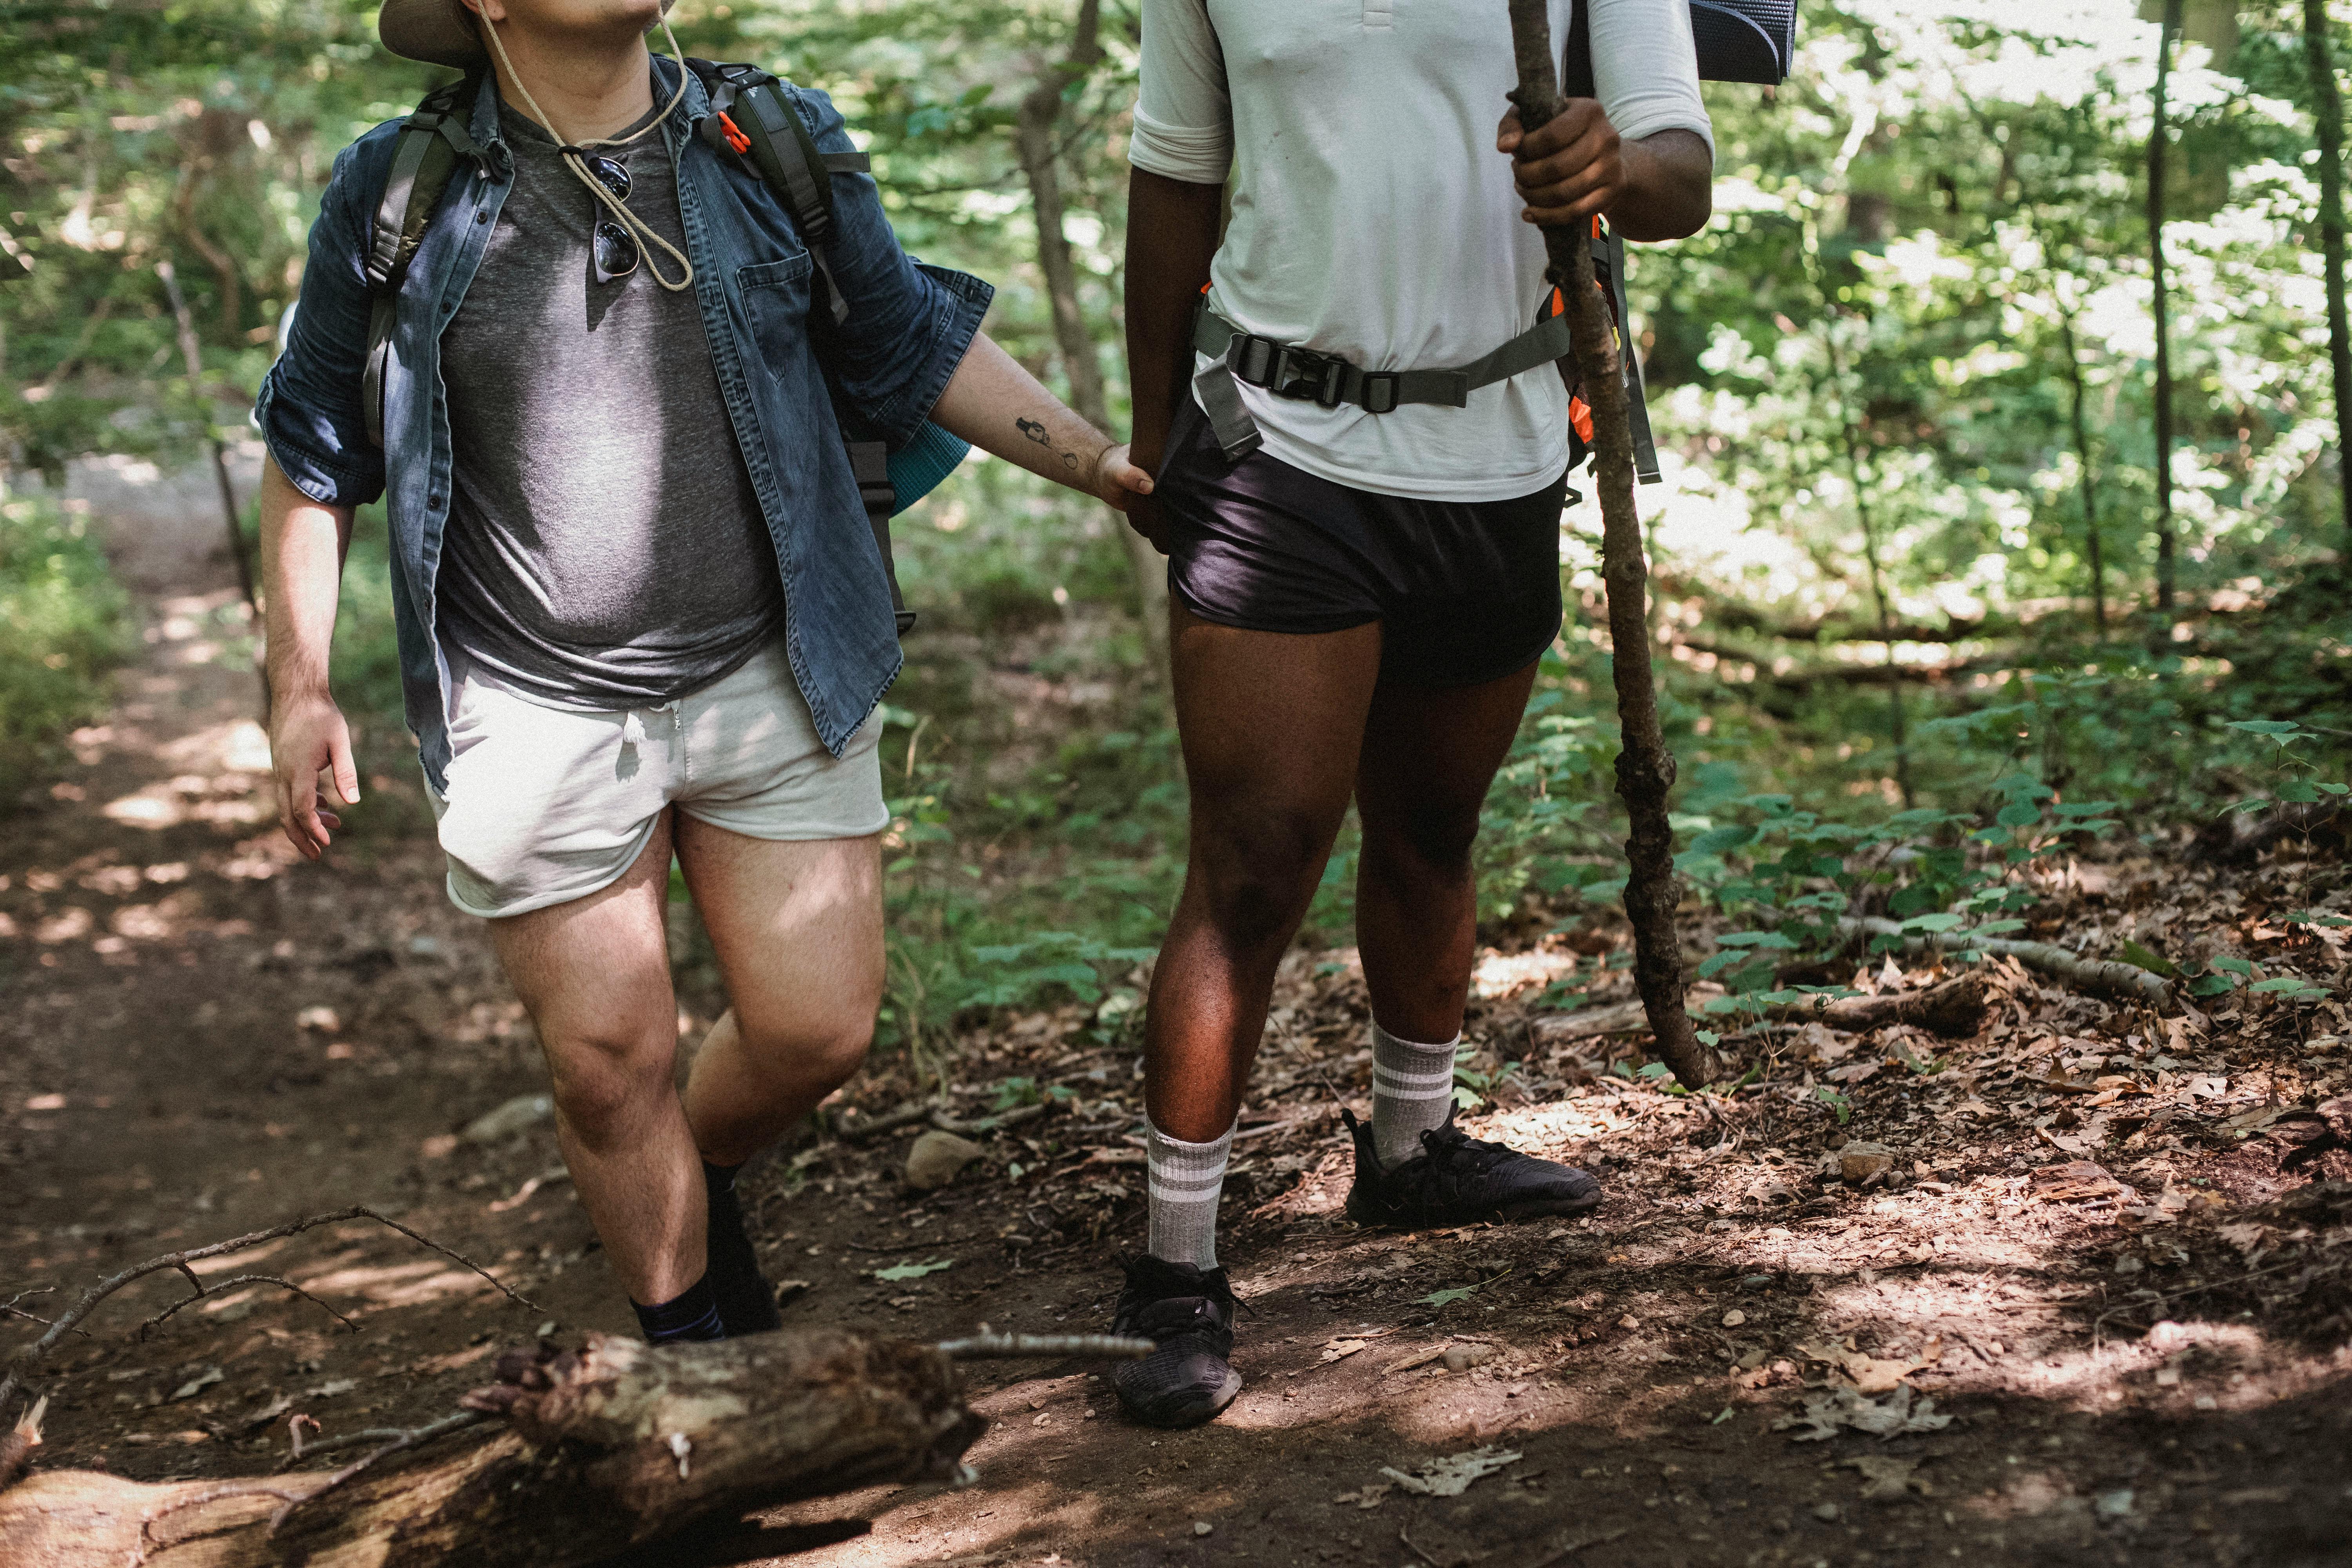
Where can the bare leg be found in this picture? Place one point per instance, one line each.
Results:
(797, 927)
(595, 975)
(1429, 757)
(1272, 725)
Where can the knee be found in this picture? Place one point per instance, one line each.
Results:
(602, 1084)
(823, 1052)
(1433, 841)
(1257, 871)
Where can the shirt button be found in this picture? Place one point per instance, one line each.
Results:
(481, 218)
(433, 500)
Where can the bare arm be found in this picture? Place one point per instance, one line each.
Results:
(1659, 187)
(302, 547)
(1000, 407)
(1172, 234)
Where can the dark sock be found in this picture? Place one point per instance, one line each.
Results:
(746, 1303)
(692, 1316)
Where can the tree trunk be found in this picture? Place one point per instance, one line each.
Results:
(605, 1448)
(2327, 112)
(2097, 557)
(1645, 769)
(2166, 563)
(1036, 131)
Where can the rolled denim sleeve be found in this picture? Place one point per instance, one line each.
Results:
(908, 324)
(309, 412)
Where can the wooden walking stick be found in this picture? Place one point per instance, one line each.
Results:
(1645, 769)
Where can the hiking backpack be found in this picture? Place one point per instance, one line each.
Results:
(751, 121)
(1734, 41)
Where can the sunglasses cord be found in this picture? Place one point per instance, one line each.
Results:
(575, 157)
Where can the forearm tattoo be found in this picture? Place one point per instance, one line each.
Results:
(1035, 431)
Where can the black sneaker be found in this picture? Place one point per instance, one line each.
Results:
(1189, 1313)
(1458, 1180)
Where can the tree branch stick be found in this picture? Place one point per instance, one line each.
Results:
(23, 1359)
(1645, 769)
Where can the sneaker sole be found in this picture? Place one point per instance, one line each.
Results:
(1181, 1413)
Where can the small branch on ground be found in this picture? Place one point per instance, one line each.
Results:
(914, 1111)
(401, 1441)
(400, 1438)
(202, 1290)
(2103, 977)
(19, 1364)
(1022, 1347)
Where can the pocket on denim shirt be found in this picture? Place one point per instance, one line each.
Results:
(775, 296)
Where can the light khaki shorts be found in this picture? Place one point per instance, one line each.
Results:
(546, 805)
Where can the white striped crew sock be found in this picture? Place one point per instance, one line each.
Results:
(1412, 1088)
(1185, 1180)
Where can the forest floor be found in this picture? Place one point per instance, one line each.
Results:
(2101, 1322)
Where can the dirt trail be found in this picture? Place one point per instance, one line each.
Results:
(203, 1037)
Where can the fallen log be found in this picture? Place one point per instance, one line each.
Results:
(613, 1447)
(2105, 977)
(1952, 1008)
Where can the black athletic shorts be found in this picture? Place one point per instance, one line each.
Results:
(1465, 592)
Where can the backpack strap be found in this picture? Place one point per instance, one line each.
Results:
(751, 118)
(423, 159)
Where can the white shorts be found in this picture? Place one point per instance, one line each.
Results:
(546, 805)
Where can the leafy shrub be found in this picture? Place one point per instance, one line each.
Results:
(64, 625)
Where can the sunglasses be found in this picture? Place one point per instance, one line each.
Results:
(612, 249)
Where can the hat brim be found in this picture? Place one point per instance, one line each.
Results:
(437, 32)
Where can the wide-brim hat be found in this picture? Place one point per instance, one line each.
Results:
(438, 32)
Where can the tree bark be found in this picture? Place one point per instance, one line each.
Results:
(2328, 112)
(1036, 131)
(2166, 560)
(1645, 769)
(2093, 546)
(613, 1446)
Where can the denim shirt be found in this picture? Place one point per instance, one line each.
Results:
(908, 328)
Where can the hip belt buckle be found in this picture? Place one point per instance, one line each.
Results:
(1301, 374)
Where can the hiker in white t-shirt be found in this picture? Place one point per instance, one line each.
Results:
(1363, 556)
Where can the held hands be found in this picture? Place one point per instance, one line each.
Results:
(1566, 169)
(307, 736)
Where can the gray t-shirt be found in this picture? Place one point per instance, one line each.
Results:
(605, 547)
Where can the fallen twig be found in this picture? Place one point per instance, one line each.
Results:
(203, 1290)
(2105, 976)
(14, 1377)
(400, 1441)
(1417, 1551)
(866, 1127)
(1024, 1347)
(1561, 1554)
(406, 1437)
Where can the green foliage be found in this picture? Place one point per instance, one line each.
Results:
(64, 626)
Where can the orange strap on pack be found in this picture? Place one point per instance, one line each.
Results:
(735, 137)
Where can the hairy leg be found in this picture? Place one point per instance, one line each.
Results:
(595, 976)
(797, 928)
(1271, 725)
(1429, 757)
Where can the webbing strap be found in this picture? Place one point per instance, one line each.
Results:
(870, 462)
(1329, 381)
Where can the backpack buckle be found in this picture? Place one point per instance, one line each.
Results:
(1308, 376)
(1380, 390)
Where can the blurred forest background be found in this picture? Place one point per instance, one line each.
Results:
(1990, 529)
